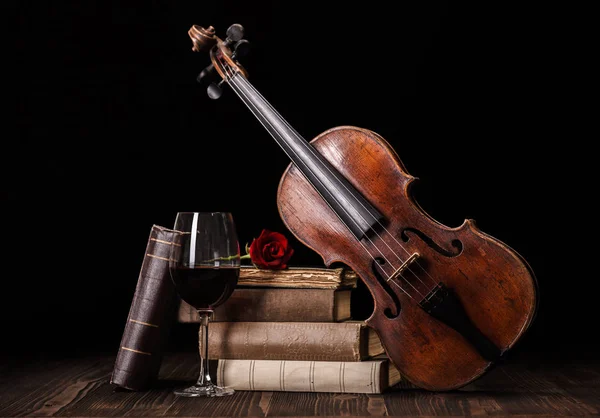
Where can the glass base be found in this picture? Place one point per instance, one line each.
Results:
(204, 390)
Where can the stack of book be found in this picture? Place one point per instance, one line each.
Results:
(292, 330)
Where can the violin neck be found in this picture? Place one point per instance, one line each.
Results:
(350, 206)
(288, 139)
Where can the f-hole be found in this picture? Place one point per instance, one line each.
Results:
(457, 244)
(390, 312)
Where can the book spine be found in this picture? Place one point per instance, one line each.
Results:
(271, 304)
(303, 376)
(319, 341)
(151, 313)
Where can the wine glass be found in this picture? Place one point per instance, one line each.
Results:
(205, 266)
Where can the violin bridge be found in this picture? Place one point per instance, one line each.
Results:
(404, 266)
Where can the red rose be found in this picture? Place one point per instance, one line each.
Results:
(270, 250)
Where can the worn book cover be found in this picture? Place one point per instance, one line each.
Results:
(298, 277)
(319, 341)
(150, 316)
(369, 376)
(264, 304)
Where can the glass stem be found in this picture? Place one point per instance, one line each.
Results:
(204, 376)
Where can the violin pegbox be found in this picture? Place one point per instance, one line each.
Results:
(224, 55)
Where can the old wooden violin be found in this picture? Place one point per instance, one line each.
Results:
(448, 302)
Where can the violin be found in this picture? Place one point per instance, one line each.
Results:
(448, 302)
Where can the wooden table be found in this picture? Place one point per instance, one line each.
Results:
(79, 386)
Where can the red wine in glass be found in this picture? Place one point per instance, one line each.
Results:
(205, 266)
(205, 287)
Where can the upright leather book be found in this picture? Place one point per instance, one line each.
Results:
(150, 317)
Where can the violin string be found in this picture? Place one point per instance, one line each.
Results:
(374, 218)
(239, 91)
(372, 243)
(388, 277)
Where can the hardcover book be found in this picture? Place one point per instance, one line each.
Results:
(150, 316)
(277, 304)
(298, 277)
(369, 376)
(318, 341)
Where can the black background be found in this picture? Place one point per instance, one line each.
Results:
(111, 134)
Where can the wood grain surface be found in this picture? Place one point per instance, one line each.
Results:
(79, 387)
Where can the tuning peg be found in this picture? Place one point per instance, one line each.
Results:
(215, 91)
(235, 32)
(206, 74)
(241, 49)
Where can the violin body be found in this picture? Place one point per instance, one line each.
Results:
(494, 285)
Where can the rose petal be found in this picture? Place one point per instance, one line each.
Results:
(270, 250)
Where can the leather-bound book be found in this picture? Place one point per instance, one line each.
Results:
(370, 376)
(150, 316)
(277, 304)
(318, 341)
(298, 277)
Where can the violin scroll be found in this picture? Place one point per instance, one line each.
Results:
(203, 39)
(224, 55)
